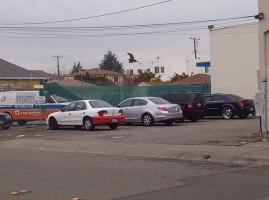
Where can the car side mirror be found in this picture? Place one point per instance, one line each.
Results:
(62, 109)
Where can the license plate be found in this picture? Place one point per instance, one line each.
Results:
(114, 120)
(199, 104)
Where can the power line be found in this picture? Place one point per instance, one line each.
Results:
(65, 33)
(96, 16)
(127, 26)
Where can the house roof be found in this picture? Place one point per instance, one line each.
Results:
(72, 83)
(12, 71)
(194, 79)
(150, 83)
(45, 74)
(97, 72)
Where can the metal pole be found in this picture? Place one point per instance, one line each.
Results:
(58, 63)
(264, 110)
(41, 125)
(81, 85)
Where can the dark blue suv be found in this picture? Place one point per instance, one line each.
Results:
(228, 105)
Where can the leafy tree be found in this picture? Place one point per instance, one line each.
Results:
(76, 68)
(147, 75)
(110, 62)
(98, 80)
(177, 77)
(142, 76)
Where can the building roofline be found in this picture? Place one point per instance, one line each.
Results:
(28, 78)
(233, 26)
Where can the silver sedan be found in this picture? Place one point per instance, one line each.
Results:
(149, 110)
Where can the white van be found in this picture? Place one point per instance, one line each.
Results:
(21, 105)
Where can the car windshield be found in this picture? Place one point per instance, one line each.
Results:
(99, 104)
(159, 101)
(196, 97)
(59, 99)
(234, 97)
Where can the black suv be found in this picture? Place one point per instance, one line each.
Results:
(192, 103)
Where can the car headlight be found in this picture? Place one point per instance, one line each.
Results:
(8, 117)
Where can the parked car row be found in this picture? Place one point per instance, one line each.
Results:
(89, 113)
(166, 107)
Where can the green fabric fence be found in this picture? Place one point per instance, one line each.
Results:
(116, 94)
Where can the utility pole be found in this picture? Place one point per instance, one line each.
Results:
(195, 45)
(58, 63)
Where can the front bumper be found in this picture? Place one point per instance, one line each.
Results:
(6, 122)
(107, 120)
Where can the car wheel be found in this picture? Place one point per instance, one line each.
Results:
(227, 112)
(243, 116)
(88, 125)
(22, 122)
(5, 127)
(113, 126)
(180, 120)
(147, 120)
(53, 124)
(168, 123)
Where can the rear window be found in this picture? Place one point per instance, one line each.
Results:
(234, 97)
(176, 97)
(99, 104)
(159, 101)
(196, 97)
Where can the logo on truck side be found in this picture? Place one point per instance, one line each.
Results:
(3, 98)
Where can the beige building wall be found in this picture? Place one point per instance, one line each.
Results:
(6, 84)
(234, 53)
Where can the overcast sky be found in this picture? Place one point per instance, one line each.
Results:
(33, 48)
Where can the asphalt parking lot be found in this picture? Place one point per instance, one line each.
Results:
(210, 131)
(162, 162)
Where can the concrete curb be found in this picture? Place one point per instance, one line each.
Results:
(254, 153)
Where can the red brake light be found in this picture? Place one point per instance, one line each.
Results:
(190, 105)
(101, 113)
(240, 103)
(162, 108)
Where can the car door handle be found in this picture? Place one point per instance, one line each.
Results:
(83, 112)
(69, 113)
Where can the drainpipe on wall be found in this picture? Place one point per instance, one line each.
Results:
(264, 61)
(264, 111)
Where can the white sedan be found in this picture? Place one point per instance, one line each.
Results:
(87, 113)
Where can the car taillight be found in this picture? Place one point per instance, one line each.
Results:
(190, 105)
(101, 113)
(162, 108)
(240, 103)
(120, 111)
